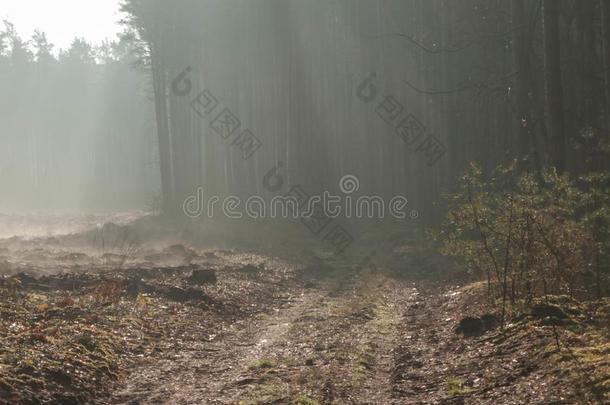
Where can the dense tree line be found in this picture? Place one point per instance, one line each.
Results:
(77, 129)
(488, 80)
(402, 94)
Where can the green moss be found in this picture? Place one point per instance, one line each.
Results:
(457, 386)
(262, 363)
(264, 394)
(362, 365)
(303, 399)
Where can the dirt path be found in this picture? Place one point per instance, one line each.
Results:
(266, 331)
(368, 339)
(333, 340)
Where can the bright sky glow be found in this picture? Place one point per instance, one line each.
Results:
(63, 20)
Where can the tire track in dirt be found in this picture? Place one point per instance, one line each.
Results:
(331, 342)
(210, 370)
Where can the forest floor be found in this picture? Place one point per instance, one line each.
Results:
(215, 326)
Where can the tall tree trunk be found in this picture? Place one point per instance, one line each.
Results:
(522, 66)
(552, 83)
(160, 90)
(605, 9)
(588, 61)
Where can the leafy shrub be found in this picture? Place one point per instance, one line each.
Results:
(531, 234)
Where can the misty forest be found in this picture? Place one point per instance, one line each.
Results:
(309, 202)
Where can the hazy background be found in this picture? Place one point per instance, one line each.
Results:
(63, 20)
(93, 124)
(77, 126)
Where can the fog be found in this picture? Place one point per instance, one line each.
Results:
(306, 202)
(80, 128)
